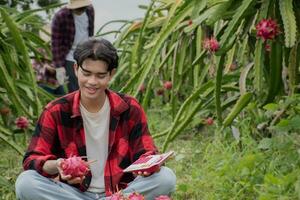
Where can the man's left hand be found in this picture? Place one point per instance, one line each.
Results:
(145, 173)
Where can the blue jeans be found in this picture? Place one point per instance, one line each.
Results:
(30, 185)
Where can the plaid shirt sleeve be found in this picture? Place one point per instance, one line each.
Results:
(57, 40)
(43, 139)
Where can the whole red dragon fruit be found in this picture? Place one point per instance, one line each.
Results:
(162, 197)
(267, 29)
(209, 121)
(22, 122)
(74, 166)
(136, 196)
(211, 44)
(168, 85)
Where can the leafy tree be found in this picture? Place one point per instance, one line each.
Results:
(26, 4)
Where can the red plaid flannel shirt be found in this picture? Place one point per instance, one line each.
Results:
(59, 133)
(63, 33)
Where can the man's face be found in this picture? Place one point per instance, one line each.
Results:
(93, 78)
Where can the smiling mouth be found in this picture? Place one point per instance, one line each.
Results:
(91, 89)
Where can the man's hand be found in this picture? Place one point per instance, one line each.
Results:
(68, 178)
(144, 173)
(49, 68)
(141, 173)
(60, 75)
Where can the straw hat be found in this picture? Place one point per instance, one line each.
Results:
(73, 4)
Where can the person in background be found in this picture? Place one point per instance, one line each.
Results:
(70, 25)
(99, 125)
(46, 74)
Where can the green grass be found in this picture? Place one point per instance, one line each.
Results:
(218, 167)
(209, 167)
(10, 167)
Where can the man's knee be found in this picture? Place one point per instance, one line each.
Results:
(25, 179)
(167, 179)
(26, 182)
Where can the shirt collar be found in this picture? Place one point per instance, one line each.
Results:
(117, 104)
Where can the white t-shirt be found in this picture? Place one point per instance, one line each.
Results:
(81, 33)
(96, 127)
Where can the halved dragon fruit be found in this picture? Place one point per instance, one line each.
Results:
(74, 166)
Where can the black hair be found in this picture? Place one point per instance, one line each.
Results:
(97, 49)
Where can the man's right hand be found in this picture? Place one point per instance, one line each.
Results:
(60, 75)
(68, 178)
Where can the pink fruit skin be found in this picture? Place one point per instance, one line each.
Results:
(162, 197)
(209, 121)
(22, 122)
(136, 196)
(211, 44)
(117, 196)
(74, 166)
(149, 170)
(168, 85)
(267, 29)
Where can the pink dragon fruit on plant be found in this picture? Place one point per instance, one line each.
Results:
(22, 122)
(267, 29)
(211, 44)
(209, 121)
(168, 85)
(74, 166)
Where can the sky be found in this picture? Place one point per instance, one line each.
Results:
(107, 10)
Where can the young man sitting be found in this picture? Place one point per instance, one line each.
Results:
(95, 123)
